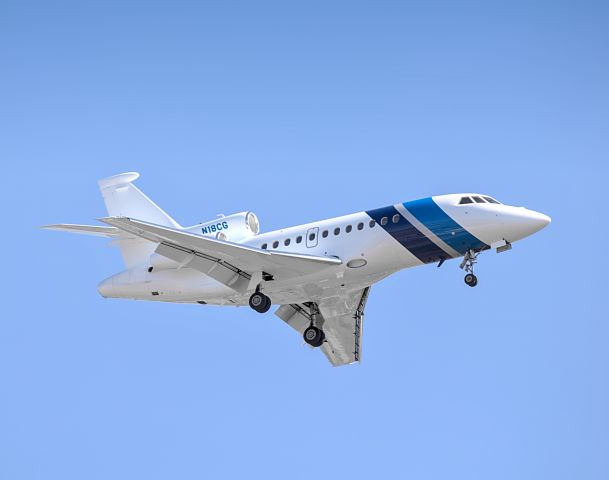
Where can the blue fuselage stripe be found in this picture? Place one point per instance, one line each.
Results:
(408, 235)
(444, 227)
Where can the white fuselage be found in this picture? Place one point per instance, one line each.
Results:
(371, 246)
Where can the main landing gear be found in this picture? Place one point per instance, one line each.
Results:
(260, 302)
(469, 260)
(314, 335)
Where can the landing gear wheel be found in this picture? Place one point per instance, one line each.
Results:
(260, 302)
(471, 280)
(266, 306)
(314, 336)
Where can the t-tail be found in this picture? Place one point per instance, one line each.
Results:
(124, 199)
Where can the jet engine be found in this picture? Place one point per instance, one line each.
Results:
(233, 228)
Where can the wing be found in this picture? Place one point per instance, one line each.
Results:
(342, 322)
(229, 263)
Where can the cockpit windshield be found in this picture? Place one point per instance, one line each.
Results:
(478, 199)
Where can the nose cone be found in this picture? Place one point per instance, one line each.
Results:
(536, 221)
(528, 222)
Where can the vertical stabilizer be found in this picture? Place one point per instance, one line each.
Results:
(122, 198)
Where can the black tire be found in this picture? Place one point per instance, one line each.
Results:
(257, 301)
(266, 306)
(322, 339)
(471, 280)
(314, 336)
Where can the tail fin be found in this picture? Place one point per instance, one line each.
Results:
(122, 198)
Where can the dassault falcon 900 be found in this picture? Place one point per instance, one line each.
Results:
(319, 274)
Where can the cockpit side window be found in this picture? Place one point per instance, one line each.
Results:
(491, 200)
(465, 200)
(478, 200)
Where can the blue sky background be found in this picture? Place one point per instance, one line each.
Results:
(301, 111)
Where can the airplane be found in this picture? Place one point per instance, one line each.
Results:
(319, 273)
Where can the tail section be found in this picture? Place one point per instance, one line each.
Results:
(122, 198)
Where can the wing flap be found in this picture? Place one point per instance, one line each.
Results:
(343, 326)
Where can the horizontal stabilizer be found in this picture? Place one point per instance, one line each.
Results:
(94, 230)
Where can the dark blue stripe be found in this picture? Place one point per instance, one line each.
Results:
(409, 236)
(433, 217)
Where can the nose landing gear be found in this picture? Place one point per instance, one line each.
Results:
(471, 280)
(469, 260)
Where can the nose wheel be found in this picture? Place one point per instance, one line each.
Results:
(260, 302)
(469, 260)
(471, 280)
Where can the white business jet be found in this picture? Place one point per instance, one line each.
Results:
(319, 273)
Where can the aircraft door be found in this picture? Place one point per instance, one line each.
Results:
(312, 234)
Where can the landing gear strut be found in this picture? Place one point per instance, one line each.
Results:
(314, 335)
(469, 260)
(260, 302)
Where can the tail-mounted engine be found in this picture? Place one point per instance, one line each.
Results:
(233, 228)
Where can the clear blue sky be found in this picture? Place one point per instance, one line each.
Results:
(301, 111)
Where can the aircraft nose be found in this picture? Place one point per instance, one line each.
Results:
(533, 221)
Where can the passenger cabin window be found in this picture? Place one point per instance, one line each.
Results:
(384, 221)
(478, 200)
(324, 233)
(264, 245)
(275, 244)
(348, 229)
(491, 200)
(287, 242)
(336, 231)
(372, 223)
(360, 226)
(465, 200)
(311, 237)
(396, 218)
(299, 239)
